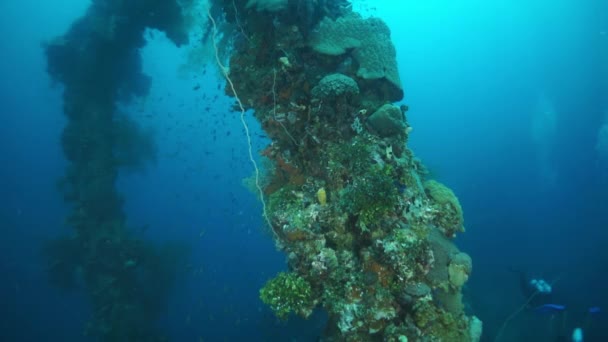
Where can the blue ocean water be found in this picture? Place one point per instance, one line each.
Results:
(508, 100)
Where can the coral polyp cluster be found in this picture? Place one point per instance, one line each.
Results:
(367, 236)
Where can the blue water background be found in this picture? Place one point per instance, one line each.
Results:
(531, 182)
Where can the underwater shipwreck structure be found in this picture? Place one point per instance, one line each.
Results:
(126, 278)
(368, 238)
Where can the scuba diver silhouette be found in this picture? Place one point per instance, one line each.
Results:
(540, 299)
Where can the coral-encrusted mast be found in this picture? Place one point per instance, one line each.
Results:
(368, 239)
(99, 65)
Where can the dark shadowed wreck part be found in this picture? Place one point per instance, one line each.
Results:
(97, 61)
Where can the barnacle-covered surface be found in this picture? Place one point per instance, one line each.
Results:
(367, 236)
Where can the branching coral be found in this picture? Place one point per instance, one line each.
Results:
(288, 293)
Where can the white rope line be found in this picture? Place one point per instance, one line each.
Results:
(242, 108)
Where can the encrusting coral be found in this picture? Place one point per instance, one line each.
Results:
(377, 255)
